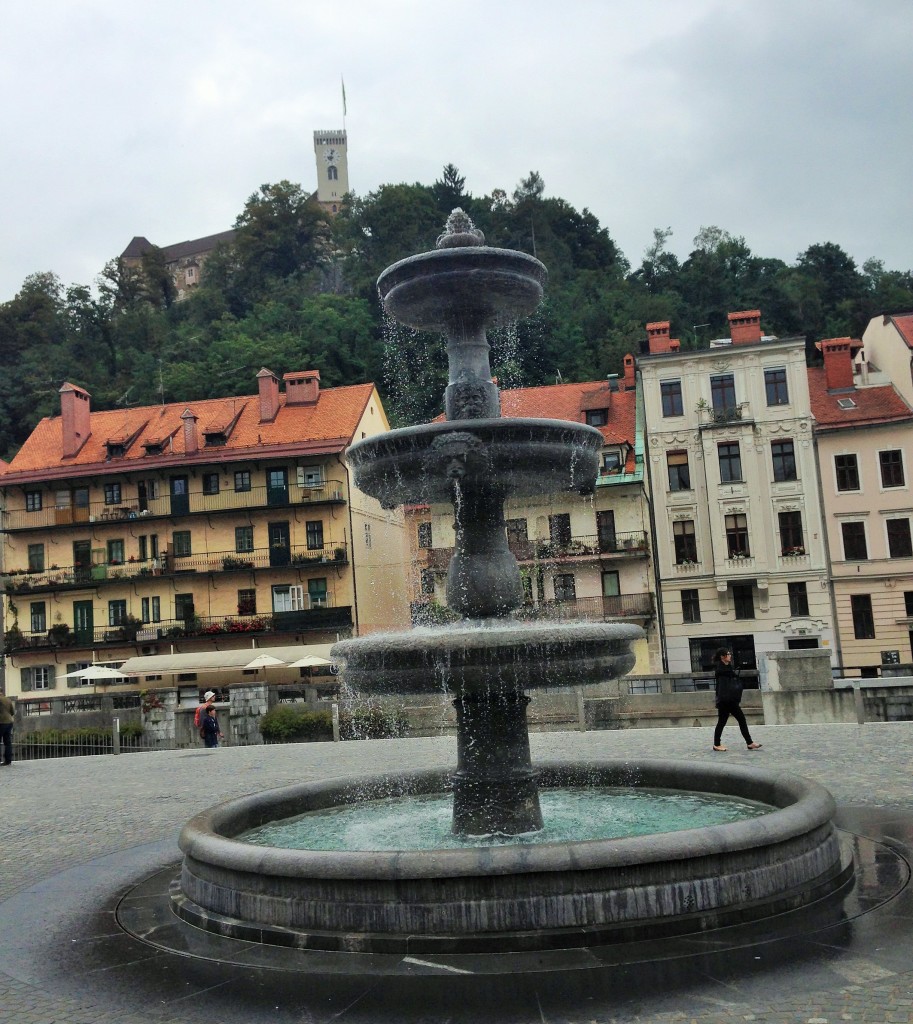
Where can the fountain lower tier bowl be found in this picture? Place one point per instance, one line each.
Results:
(462, 289)
(492, 655)
(520, 457)
(510, 898)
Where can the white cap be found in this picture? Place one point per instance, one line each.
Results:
(209, 694)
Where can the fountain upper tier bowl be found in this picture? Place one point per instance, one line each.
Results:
(468, 657)
(474, 286)
(418, 465)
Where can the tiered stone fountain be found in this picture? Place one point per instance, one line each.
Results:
(487, 897)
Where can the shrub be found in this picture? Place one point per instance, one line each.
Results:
(288, 723)
(372, 722)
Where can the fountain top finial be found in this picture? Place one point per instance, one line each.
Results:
(459, 231)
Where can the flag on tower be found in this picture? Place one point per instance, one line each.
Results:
(343, 95)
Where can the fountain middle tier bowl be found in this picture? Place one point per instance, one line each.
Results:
(490, 655)
(521, 457)
(462, 289)
(501, 898)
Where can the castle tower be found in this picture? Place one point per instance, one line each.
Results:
(330, 151)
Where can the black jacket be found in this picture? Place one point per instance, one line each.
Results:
(728, 685)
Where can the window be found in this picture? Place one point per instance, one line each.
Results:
(737, 535)
(775, 386)
(210, 483)
(42, 676)
(38, 617)
(679, 473)
(310, 476)
(368, 539)
(854, 545)
(597, 417)
(691, 606)
(151, 609)
(671, 393)
(180, 543)
(611, 585)
(424, 533)
(791, 540)
(117, 613)
(730, 462)
(908, 603)
(427, 581)
(244, 538)
(317, 592)
(288, 598)
(36, 558)
(314, 534)
(33, 501)
(565, 587)
(722, 392)
(899, 541)
(559, 528)
(611, 462)
(242, 480)
(891, 464)
(184, 607)
(685, 541)
(743, 600)
(783, 455)
(115, 552)
(863, 620)
(247, 602)
(332, 173)
(798, 598)
(847, 472)
(112, 494)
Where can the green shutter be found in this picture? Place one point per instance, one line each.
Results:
(74, 682)
(52, 677)
(25, 676)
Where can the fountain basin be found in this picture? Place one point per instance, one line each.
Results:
(555, 895)
(475, 286)
(495, 655)
(417, 465)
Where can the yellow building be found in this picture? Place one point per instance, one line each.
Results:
(190, 528)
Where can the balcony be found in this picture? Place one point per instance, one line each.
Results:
(72, 577)
(735, 415)
(331, 492)
(608, 546)
(597, 609)
(322, 615)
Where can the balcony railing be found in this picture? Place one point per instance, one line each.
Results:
(323, 614)
(622, 606)
(632, 544)
(77, 576)
(172, 506)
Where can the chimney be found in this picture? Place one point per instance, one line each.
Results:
(745, 327)
(191, 444)
(838, 362)
(268, 384)
(628, 377)
(658, 338)
(75, 413)
(302, 388)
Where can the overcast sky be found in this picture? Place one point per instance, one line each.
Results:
(784, 121)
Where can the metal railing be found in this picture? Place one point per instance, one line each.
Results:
(171, 506)
(598, 608)
(298, 556)
(630, 544)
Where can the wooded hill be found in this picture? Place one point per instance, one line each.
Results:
(295, 292)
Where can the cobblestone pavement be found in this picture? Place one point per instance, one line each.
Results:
(58, 814)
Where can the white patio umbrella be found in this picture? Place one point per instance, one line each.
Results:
(96, 672)
(310, 661)
(264, 660)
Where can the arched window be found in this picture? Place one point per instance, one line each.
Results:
(332, 173)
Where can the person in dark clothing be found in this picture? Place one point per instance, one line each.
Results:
(7, 718)
(211, 732)
(728, 699)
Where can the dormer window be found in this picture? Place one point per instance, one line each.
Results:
(611, 462)
(116, 450)
(217, 439)
(597, 417)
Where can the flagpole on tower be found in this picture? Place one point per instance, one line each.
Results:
(343, 81)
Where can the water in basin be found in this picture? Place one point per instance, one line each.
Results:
(571, 815)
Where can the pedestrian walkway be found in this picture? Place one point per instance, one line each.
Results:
(101, 824)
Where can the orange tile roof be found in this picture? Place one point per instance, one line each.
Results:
(568, 402)
(873, 405)
(904, 324)
(324, 427)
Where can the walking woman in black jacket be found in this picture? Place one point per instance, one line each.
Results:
(728, 699)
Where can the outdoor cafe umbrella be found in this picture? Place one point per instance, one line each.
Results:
(263, 660)
(96, 672)
(309, 661)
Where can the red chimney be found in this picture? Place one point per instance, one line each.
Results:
(268, 384)
(302, 388)
(745, 327)
(838, 362)
(191, 444)
(75, 415)
(630, 366)
(658, 338)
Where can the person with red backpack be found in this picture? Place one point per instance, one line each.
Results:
(209, 698)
